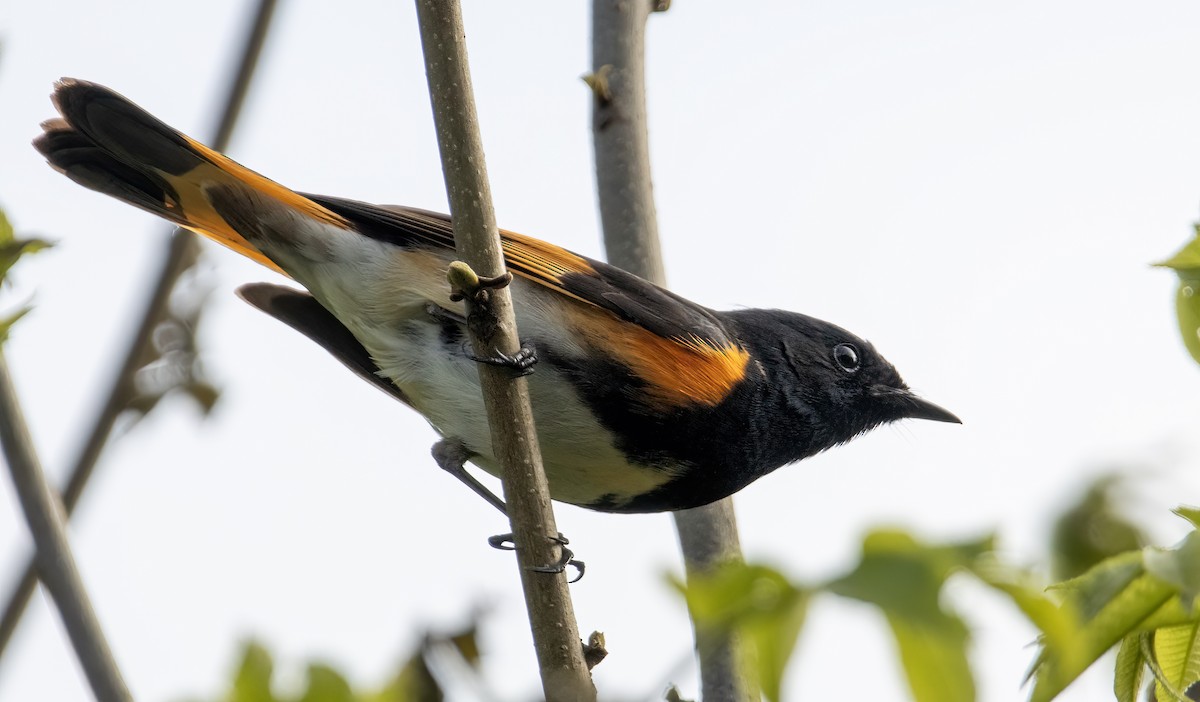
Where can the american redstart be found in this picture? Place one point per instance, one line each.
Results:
(643, 401)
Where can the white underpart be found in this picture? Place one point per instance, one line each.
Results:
(382, 293)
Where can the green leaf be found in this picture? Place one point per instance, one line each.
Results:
(935, 659)
(1179, 566)
(12, 248)
(1092, 529)
(904, 578)
(1112, 599)
(7, 322)
(1187, 258)
(1187, 314)
(252, 682)
(326, 685)
(414, 683)
(1192, 514)
(1186, 264)
(1058, 622)
(1131, 666)
(756, 604)
(1177, 651)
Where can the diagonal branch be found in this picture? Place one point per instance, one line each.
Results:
(180, 255)
(708, 535)
(493, 329)
(55, 563)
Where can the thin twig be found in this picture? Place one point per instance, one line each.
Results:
(55, 563)
(181, 252)
(547, 599)
(708, 535)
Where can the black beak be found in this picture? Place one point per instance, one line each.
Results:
(914, 407)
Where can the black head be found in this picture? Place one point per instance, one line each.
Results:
(831, 383)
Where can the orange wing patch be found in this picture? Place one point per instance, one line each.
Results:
(677, 371)
(542, 262)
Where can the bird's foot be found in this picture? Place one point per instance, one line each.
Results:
(566, 556)
(520, 363)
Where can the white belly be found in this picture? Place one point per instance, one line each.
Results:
(582, 463)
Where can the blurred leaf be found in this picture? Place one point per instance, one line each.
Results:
(1131, 667)
(1187, 314)
(12, 248)
(935, 659)
(756, 604)
(203, 393)
(1187, 258)
(252, 682)
(1177, 652)
(326, 685)
(1178, 566)
(1192, 514)
(414, 683)
(1092, 530)
(904, 577)
(173, 363)
(8, 321)
(1058, 622)
(1186, 264)
(1113, 599)
(467, 644)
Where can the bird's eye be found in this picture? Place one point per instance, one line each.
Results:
(846, 356)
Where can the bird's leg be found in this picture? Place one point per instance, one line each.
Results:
(466, 283)
(452, 455)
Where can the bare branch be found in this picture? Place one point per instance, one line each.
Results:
(55, 562)
(492, 328)
(180, 254)
(708, 535)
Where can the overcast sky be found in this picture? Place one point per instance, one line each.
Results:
(977, 188)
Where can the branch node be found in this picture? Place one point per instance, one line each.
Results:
(598, 82)
(466, 283)
(594, 650)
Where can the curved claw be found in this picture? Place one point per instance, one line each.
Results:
(504, 542)
(521, 363)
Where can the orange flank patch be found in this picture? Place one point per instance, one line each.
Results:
(677, 372)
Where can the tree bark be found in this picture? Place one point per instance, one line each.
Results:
(492, 329)
(708, 535)
(55, 562)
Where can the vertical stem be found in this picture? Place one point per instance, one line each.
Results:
(492, 328)
(708, 535)
(621, 139)
(55, 563)
(180, 254)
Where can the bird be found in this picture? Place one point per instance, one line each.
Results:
(643, 401)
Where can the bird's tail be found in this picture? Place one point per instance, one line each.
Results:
(105, 142)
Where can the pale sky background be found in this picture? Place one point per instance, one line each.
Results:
(976, 187)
